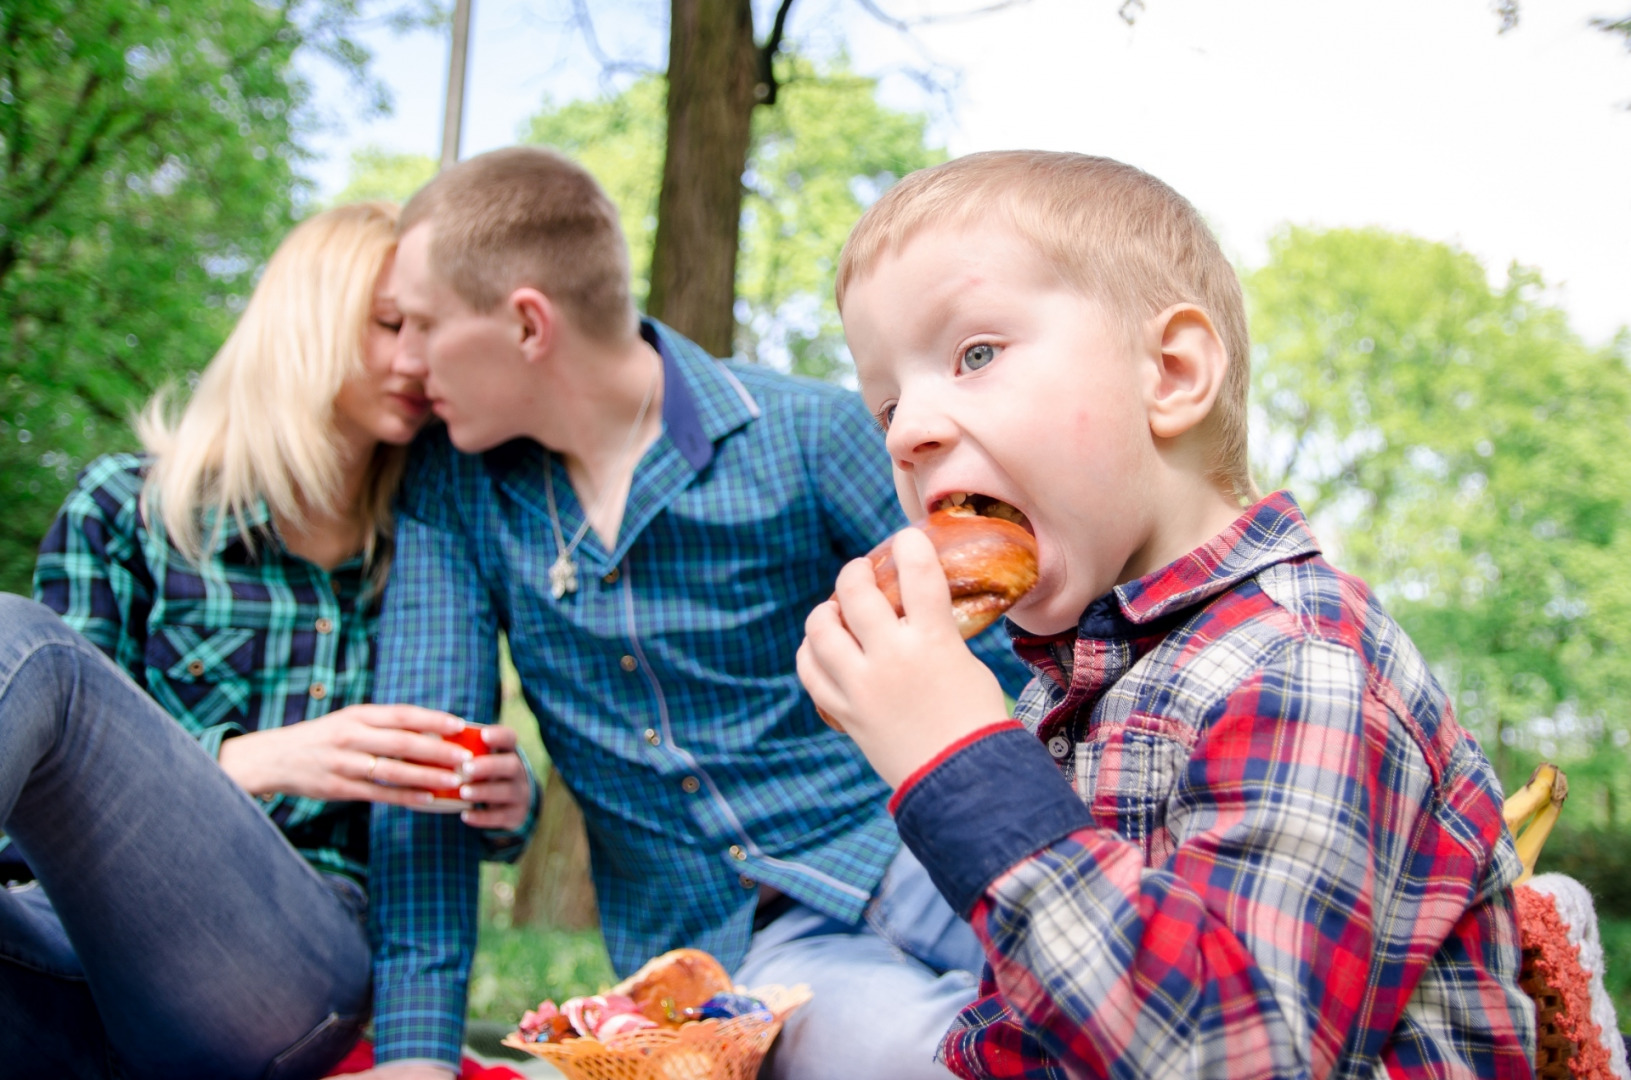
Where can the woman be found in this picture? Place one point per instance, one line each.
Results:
(233, 573)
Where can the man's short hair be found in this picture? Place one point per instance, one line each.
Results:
(527, 216)
(1115, 232)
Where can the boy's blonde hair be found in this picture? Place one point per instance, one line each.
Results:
(1114, 232)
(260, 424)
(529, 216)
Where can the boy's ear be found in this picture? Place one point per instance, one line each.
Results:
(537, 319)
(1188, 375)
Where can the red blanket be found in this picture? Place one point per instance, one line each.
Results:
(362, 1057)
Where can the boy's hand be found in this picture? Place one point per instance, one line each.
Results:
(904, 688)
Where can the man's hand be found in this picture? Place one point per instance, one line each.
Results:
(905, 687)
(497, 783)
(375, 753)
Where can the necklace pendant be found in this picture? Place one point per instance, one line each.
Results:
(563, 576)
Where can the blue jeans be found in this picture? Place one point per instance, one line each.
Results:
(883, 991)
(173, 931)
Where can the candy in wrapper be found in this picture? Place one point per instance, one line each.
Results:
(727, 1006)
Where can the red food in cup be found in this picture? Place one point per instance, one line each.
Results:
(447, 800)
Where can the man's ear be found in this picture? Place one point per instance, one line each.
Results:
(538, 320)
(1188, 375)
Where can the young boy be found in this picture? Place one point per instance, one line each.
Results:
(1239, 832)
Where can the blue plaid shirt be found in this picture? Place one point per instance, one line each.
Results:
(664, 686)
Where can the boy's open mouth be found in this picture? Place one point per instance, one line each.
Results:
(971, 502)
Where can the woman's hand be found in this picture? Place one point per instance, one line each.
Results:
(375, 753)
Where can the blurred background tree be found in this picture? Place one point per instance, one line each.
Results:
(149, 162)
(816, 162)
(1465, 452)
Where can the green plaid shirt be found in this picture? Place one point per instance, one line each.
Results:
(249, 641)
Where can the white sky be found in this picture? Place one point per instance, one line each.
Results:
(1412, 115)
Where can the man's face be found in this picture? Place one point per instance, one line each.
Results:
(996, 380)
(470, 361)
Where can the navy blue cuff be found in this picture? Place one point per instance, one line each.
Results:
(982, 810)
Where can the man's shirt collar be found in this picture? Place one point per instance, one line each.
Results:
(702, 401)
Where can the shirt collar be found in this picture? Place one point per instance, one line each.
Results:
(257, 519)
(702, 401)
(1270, 531)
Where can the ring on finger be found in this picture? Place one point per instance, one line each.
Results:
(373, 763)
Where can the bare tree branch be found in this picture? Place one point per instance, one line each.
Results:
(584, 22)
(765, 92)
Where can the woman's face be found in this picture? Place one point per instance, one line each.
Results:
(377, 404)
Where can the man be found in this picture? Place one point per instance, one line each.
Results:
(650, 527)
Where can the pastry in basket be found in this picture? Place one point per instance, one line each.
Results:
(676, 988)
(674, 982)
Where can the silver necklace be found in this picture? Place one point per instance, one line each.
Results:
(563, 572)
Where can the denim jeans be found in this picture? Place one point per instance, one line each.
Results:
(883, 991)
(173, 931)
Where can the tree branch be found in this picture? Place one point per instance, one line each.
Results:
(585, 23)
(765, 91)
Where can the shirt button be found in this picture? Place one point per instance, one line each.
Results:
(628, 663)
(651, 736)
(747, 882)
(195, 668)
(335, 585)
(738, 854)
(319, 691)
(611, 576)
(324, 626)
(690, 785)
(1058, 746)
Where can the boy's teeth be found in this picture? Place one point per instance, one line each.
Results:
(959, 499)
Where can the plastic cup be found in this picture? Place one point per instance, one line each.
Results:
(446, 800)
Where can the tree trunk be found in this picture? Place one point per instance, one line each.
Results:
(713, 70)
(552, 885)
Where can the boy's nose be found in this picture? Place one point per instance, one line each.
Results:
(912, 443)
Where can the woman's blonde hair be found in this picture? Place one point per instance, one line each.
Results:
(260, 424)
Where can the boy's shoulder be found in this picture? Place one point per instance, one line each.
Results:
(1261, 611)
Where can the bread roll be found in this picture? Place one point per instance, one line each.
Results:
(677, 980)
(990, 563)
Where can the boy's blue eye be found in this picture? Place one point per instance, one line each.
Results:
(885, 416)
(976, 357)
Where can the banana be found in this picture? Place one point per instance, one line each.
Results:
(1532, 811)
(1527, 800)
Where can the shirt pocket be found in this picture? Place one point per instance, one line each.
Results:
(200, 676)
(1126, 774)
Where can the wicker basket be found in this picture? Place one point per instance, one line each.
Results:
(706, 1050)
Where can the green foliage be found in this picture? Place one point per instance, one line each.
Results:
(377, 173)
(1471, 458)
(1616, 936)
(818, 158)
(147, 168)
(1598, 858)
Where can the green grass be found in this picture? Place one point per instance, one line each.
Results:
(518, 966)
